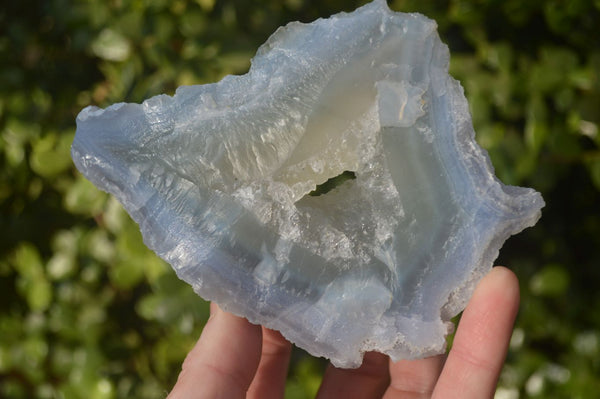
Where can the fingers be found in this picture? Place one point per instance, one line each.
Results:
(229, 361)
(223, 362)
(481, 341)
(414, 379)
(368, 381)
(269, 381)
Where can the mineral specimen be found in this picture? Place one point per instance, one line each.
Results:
(218, 177)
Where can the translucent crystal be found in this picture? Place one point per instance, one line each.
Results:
(218, 178)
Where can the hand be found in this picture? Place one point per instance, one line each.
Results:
(236, 359)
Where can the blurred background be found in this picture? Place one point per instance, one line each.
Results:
(86, 311)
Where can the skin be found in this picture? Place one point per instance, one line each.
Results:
(236, 359)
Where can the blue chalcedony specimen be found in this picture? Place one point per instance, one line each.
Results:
(218, 177)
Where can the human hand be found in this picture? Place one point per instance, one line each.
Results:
(236, 359)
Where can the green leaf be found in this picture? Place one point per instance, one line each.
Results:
(102, 389)
(536, 130)
(38, 293)
(111, 45)
(35, 351)
(5, 358)
(126, 274)
(51, 154)
(553, 281)
(61, 265)
(84, 198)
(207, 5)
(308, 375)
(594, 169)
(27, 261)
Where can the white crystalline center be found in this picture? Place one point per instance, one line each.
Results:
(218, 178)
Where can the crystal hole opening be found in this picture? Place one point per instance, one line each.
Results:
(332, 183)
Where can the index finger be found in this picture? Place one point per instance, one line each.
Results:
(224, 360)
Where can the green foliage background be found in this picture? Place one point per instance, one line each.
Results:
(87, 311)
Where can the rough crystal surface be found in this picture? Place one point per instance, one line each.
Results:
(218, 177)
